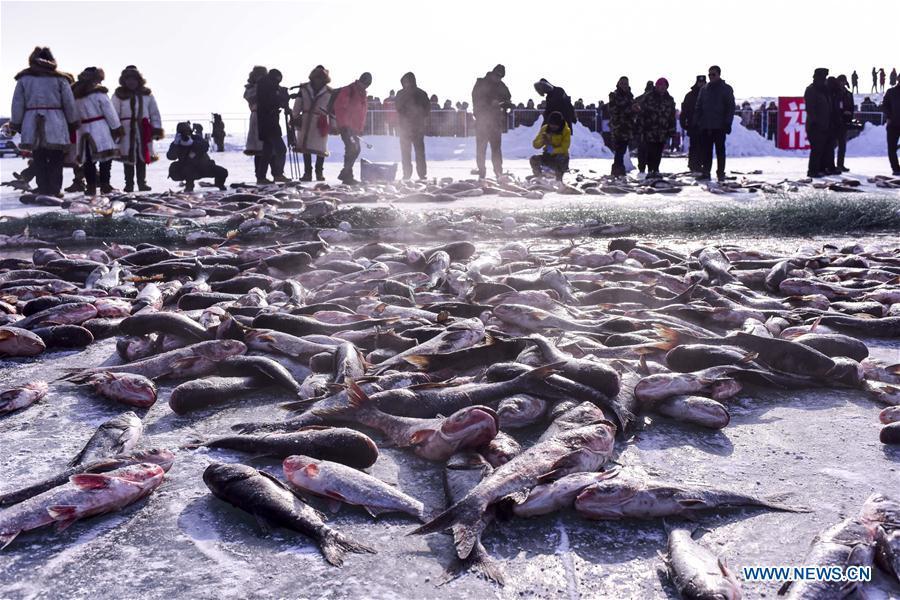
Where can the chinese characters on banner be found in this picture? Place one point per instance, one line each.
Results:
(791, 124)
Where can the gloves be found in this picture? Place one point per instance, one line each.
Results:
(158, 134)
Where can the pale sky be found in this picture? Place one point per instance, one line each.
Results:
(196, 55)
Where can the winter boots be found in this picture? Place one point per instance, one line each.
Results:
(141, 169)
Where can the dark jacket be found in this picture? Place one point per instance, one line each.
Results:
(818, 107)
(271, 98)
(621, 115)
(192, 159)
(657, 117)
(688, 106)
(557, 100)
(412, 105)
(891, 106)
(715, 107)
(842, 104)
(488, 98)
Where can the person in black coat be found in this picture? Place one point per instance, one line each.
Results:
(271, 99)
(413, 107)
(818, 121)
(713, 117)
(843, 106)
(218, 132)
(490, 101)
(891, 108)
(556, 100)
(688, 105)
(641, 145)
(190, 153)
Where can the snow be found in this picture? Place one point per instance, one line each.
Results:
(872, 141)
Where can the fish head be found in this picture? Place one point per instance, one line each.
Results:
(881, 508)
(470, 427)
(521, 409)
(157, 456)
(502, 449)
(135, 388)
(299, 468)
(219, 477)
(846, 371)
(607, 494)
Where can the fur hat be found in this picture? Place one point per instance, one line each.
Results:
(42, 63)
(320, 75)
(555, 119)
(42, 57)
(821, 72)
(131, 71)
(93, 74)
(662, 81)
(256, 73)
(365, 79)
(499, 71)
(89, 82)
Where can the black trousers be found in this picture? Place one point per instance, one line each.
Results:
(558, 163)
(484, 135)
(828, 154)
(642, 156)
(141, 169)
(841, 147)
(620, 147)
(351, 151)
(818, 146)
(272, 156)
(709, 139)
(654, 155)
(694, 162)
(893, 136)
(409, 141)
(90, 173)
(308, 164)
(48, 170)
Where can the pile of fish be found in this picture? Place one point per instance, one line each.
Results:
(447, 352)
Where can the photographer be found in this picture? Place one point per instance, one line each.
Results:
(554, 137)
(190, 153)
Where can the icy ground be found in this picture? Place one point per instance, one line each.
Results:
(820, 445)
(774, 169)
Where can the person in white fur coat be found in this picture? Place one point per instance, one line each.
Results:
(100, 129)
(137, 110)
(43, 111)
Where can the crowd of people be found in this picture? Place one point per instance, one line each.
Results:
(75, 123)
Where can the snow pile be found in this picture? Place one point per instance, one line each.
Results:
(746, 142)
(871, 141)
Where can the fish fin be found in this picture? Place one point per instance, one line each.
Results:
(479, 562)
(194, 443)
(184, 363)
(276, 481)
(894, 369)
(542, 372)
(7, 539)
(334, 545)
(263, 524)
(420, 436)
(560, 467)
(466, 517)
(688, 502)
(311, 470)
(357, 398)
(62, 512)
(784, 588)
(777, 502)
(297, 405)
(90, 481)
(517, 497)
(419, 361)
(749, 358)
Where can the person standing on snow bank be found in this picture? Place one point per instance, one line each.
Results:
(891, 108)
(881, 78)
(271, 99)
(350, 107)
(657, 124)
(218, 132)
(99, 132)
(490, 99)
(190, 153)
(413, 106)
(713, 117)
(44, 113)
(874, 81)
(554, 137)
(310, 121)
(253, 147)
(556, 100)
(854, 80)
(622, 113)
(137, 110)
(818, 121)
(688, 105)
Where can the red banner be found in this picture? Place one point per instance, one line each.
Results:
(791, 123)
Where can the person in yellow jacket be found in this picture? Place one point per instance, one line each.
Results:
(554, 137)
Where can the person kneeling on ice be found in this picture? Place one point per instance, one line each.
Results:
(191, 155)
(554, 137)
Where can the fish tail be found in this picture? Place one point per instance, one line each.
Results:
(670, 338)
(297, 405)
(419, 361)
(540, 373)
(335, 545)
(479, 562)
(359, 402)
(466, 518)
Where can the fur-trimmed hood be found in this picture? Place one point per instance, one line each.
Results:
(82, 89)
(41, 63)
(123, 92)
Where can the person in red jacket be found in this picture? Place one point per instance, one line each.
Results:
(350, 108)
